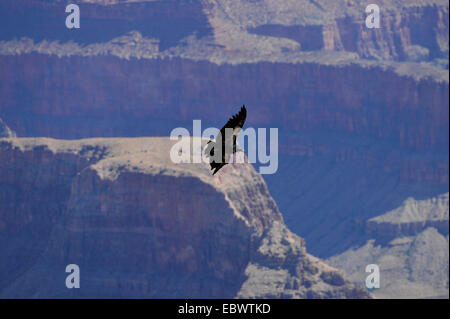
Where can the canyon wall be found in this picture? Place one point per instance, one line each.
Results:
(363, 114)
(412, 34)
(141, 226)
(99, 96)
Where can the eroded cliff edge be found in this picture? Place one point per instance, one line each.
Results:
(140, 226)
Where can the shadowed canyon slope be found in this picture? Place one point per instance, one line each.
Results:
(140, 226)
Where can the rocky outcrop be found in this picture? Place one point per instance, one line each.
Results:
(410, 245)
(412, 218)
(141, 226)
(278, 270)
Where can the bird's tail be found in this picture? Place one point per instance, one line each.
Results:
(209, 149)
(216, 166)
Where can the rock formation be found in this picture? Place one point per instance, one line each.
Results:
(410, 245)
(412, 217)
(141, 226)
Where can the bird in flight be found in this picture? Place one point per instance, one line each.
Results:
(224, 146)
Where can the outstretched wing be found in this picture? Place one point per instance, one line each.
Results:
(237, 120)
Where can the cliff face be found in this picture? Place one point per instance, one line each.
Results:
(107, 89)
(398, 37)
(140, 226)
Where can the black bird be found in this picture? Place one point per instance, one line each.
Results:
(228, 143)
